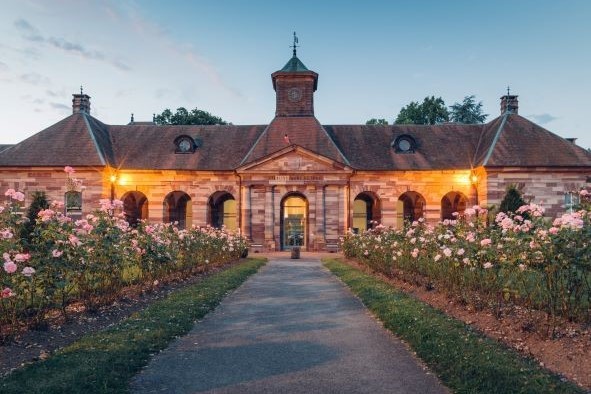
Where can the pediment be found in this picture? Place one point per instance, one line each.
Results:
(295, 159)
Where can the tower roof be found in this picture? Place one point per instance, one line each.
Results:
(294, 65)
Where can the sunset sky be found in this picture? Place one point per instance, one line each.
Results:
(373, 57)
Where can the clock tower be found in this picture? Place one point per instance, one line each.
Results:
(294, 85)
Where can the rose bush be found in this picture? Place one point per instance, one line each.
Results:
(522, 259)
(92, 259)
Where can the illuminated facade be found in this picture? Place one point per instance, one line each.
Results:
(296, 182)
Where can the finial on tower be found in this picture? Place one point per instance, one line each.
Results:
(132, 120)
(295, 42)
(508, 91)
(81, 91)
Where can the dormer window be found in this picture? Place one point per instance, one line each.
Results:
(404, 144)
(185, 144)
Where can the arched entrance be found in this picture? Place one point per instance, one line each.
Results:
(135, 207)
(294, 216)
(177, 208)
(222, 211)
(453, 202)
(410, 207)
(366, 208)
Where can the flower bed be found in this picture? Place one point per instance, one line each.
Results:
(521, 260)
(92, 259)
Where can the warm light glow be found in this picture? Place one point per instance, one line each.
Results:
(113, 178)
(474, 179)
(462, 178)
(124, 179)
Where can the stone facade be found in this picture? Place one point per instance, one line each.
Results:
(295, 182)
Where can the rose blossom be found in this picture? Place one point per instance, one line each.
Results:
(28, 271)
(9, 267)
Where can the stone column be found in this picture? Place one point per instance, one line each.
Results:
(269, 218)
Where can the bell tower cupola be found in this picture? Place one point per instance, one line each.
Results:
(294, 85)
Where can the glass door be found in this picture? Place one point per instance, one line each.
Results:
(294, 222)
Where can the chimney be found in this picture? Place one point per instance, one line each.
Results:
(572, 140)
(509, 103)
(81, 103)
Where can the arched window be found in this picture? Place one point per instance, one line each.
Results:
(366, 209)
(294, 216)
(411, 206)
(135, 207)
(222, 211)
(177, 208)
(452, 202)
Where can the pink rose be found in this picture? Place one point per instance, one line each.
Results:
(7, 292)
(485, 242)
(10, 267)
(69, 170)
(21, 257)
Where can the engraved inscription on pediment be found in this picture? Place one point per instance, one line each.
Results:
(294, 162)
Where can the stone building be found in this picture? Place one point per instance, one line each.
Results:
(295, 181)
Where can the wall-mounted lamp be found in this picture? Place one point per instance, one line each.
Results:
(113, 179)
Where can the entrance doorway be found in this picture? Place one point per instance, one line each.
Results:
(293, 221)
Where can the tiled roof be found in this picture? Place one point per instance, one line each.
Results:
(510, 140)
(304, 131)
(369, 147)
(151, 146)
(78, 140)
(521, 143)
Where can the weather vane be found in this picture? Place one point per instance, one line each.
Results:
(295, 42)
(508, 91)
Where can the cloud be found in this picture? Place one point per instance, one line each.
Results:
(31, 33)
(34, 79)
(28, 31)
(543, 118)
(60, 106)
(3, 66)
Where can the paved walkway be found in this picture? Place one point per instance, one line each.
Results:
(291, 328)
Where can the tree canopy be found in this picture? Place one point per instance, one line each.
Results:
(468, 111)
(431, 111)
(375, 121)
(183, 117)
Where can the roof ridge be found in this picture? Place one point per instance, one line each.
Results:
(254, 145)
(334, 143)
(496, 138)
(94, 140)
(477, 150)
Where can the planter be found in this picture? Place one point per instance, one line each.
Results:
(295, 253)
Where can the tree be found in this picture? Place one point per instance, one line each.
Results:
(39, 203)
(375, 121)
(512, 200)
(184, 117)
(431, 111)
(468, 111)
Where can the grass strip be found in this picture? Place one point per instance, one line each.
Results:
(106, 361)
(465, 360)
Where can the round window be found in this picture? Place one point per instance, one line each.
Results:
(185, 145)
(404, 145)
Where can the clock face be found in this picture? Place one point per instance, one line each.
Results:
(294, 94)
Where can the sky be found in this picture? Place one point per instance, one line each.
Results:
(372, 57)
